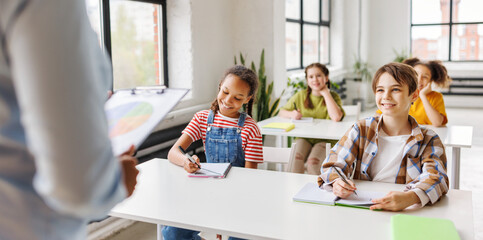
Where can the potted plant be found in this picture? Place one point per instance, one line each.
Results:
(400, 56)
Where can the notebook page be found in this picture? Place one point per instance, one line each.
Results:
(363, 198)
(311, 193)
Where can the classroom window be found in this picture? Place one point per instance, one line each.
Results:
(444, 29)
(307, 30)
(133, 33)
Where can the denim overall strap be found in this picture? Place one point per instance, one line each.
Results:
(211, 118)
(241, 119)
(225, 144)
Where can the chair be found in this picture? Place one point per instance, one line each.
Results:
(282, 157)
(352, 110)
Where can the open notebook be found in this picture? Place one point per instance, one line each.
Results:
(407, 227)
(303, 120)
(311, 193)
(213, 170)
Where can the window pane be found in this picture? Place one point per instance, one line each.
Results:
(466, 40)
(292, 45)
(292, 9)
(94, 14)
(311, 11)
(430, 42)
(324, 45)
(430, 11)
(467, 11)
(310, 44)
(135, 29)
(325, 10)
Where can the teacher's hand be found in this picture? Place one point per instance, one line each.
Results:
(129, 170)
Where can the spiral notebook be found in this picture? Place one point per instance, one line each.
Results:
(212, 170)
(133, 113)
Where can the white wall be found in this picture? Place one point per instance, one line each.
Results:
(389, 26)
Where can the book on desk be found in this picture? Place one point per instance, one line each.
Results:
(408, 227)
(279, 126)
(311, 193)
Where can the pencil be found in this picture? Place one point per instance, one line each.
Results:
(342, 177)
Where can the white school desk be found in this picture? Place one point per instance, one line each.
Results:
(456, 137)
(257, 204)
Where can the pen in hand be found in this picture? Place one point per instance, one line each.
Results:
(295, 106)
(188, 156)
(343, 178)
(192, 160)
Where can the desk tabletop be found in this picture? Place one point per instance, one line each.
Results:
(454, 136)
(319, 128)
(451, 135)
(257, 204)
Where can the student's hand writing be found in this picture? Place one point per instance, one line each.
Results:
(426, 89)
(296, 114)
(395, 201)
(342, 189)
(191, 167)
(129, 170)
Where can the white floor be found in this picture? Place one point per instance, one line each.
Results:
(471, 168)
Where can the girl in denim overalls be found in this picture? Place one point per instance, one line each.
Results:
(229, 136)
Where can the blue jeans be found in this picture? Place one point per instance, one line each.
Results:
(174, 233)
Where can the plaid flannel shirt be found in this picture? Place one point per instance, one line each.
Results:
(423, 165)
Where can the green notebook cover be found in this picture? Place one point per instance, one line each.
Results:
(407, 227)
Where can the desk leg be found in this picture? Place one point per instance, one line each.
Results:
(159, 229)
(278, 141)
(455, 170)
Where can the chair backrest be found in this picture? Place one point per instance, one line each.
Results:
(279, 155)
(352, 110)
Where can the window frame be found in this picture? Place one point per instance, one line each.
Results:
(319, 24)
(105, 28)
(450, 25)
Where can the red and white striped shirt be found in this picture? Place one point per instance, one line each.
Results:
(250, 134)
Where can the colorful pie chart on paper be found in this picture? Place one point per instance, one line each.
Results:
(127, 117)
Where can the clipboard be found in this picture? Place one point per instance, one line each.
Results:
(133, 113)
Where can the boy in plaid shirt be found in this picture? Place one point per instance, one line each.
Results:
(391, 147)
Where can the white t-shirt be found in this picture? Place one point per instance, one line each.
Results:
(386, 163)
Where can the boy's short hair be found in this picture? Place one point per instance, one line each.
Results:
(402, 73)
